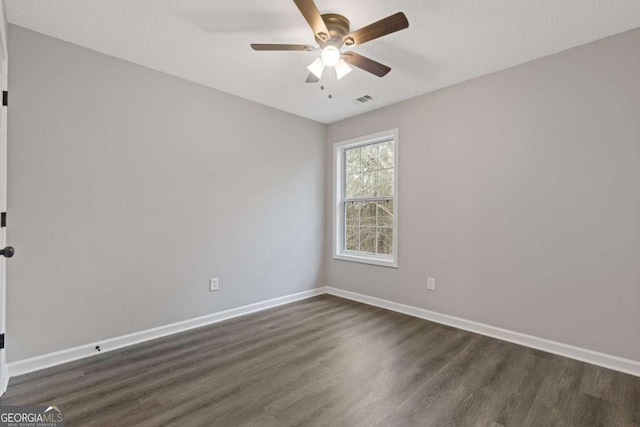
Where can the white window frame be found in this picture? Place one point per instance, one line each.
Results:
(338, 197)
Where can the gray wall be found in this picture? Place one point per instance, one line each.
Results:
(520, 193)
(129, 189)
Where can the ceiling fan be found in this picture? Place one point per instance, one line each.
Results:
(332, 32)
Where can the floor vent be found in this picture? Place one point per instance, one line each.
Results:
(365, 98)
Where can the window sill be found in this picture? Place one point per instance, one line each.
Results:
(363, 259)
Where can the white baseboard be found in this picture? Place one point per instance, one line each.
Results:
(48, 360)
(627, 366)
(4, 379)
(44, 361)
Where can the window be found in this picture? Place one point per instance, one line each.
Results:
(366, 199)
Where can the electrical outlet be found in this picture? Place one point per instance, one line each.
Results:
(431, 284)
(214, 284)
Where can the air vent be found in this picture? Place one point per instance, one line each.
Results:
(365, 98)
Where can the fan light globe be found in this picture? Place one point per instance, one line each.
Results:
(330, 56)
(342, 69)
(316, 67)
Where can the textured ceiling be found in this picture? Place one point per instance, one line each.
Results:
(207, 41)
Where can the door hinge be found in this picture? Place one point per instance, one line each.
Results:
(1, 341)
(3, 219)
(5, 98)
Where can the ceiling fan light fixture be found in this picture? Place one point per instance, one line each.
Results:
(330, 56)
(342, 69)
(332, 32)
(317, 67)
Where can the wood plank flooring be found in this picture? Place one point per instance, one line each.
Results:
(327, 361)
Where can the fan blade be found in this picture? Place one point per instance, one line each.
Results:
(388, 25)
(311, 78)
(301, 47)
(366, 64)
(312, 15)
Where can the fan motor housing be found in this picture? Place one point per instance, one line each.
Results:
(338, 27)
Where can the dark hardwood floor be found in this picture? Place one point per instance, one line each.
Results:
(327, 361)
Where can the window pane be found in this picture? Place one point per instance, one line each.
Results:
(385, 240)
(385, 154)
(352, 213)
(352, 160)
(369, 185)
(368, 174)
(385, 182)
(385, 213)
(368, 214)
(353, 185)
(352, 239)
(370, 157)
(368, 239)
